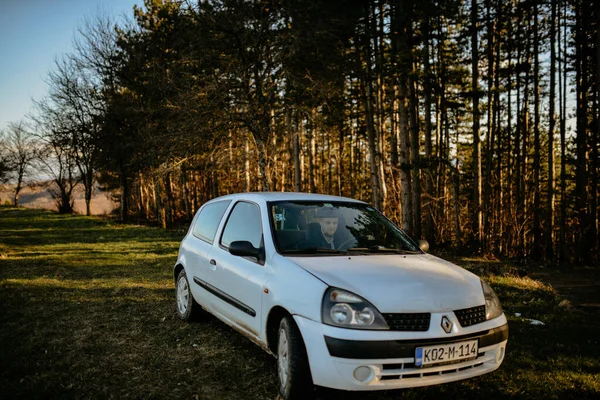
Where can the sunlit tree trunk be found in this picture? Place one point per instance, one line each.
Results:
(296, 147)
(487, 202)
(428, 206)
(477, 184)
(562, 84)
(247, 186)
(550, 185)
(415, 157)
(537, 230)
(581, 226)
(160, 209)
(401, 20)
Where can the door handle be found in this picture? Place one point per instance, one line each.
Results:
(213, 264)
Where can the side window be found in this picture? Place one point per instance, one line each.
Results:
(243, 224)
(209, 219)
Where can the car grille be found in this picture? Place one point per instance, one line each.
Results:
(405, 371)
(411, 322)
(470, 316)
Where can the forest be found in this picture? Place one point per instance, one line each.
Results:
(471, 124)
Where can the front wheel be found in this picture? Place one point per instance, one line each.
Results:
(187, 308)
(295, 381)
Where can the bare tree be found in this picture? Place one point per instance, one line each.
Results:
(75, 92)
(56, 157)
(19, 146)
(4, 168)
(58, 162)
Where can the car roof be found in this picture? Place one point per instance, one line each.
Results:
(285, 196)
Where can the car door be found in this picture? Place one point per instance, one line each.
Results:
(239, 281)
(200, 244)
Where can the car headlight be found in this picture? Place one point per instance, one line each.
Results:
(347, 310)
(493, 308)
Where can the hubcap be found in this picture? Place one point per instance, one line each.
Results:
(183, 295)
(283, 357)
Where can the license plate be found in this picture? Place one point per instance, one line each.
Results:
(445, 353)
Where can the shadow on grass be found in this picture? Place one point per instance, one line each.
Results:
(43, 227)
(86, 268)
(81, 236)
(121, 343)
(128, 342)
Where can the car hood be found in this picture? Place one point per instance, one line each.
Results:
(399, 283)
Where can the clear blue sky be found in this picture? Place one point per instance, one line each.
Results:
(32, 34)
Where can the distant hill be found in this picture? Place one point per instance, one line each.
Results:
(40, 198)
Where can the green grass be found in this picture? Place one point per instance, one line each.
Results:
(87, 311)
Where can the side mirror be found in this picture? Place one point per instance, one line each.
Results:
(243, 248)
(424, 245)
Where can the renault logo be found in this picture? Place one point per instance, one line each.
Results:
(446, 324)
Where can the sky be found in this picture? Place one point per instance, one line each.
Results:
(32, 34)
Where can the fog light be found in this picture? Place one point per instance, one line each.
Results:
(362, 374)
(500, 354)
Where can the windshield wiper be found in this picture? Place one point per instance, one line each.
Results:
(314, 250)
(382, 249)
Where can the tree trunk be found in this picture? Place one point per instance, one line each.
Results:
(143, 211)
(18, 187)
(595, 140)
(124, 196)
(170, 206)
(160, 209)
(401, 48)
(312, 149)
(415, 157)
(477, 184)
(403, 158)
(262, 164)
(247, 187)
(88, 198)
(296, 143)
(510, 162)
(550, 188)
(537, 231)
(371, 135)
(487, 201)
(340, 160)
(581, 239)
(428, 206)
(497, 192)
(455, 208)
(562, 84)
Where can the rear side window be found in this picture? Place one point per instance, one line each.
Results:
(243, 224)
(208, 220)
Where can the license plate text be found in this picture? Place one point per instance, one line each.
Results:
(444, 353)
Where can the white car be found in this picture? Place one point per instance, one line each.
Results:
(339, 294)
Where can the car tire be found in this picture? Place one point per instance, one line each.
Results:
(187, 308)
(295, 380)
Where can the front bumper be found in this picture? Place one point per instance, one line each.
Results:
(335, 353)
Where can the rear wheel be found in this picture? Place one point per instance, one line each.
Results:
(295, 381)
(187, 308)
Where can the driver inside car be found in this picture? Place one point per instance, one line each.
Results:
(323, 233)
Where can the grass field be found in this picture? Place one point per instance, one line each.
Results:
(87, 311)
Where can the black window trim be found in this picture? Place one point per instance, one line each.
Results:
(196, 219)
(260, 261)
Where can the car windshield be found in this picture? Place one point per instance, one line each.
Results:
(332, 228)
